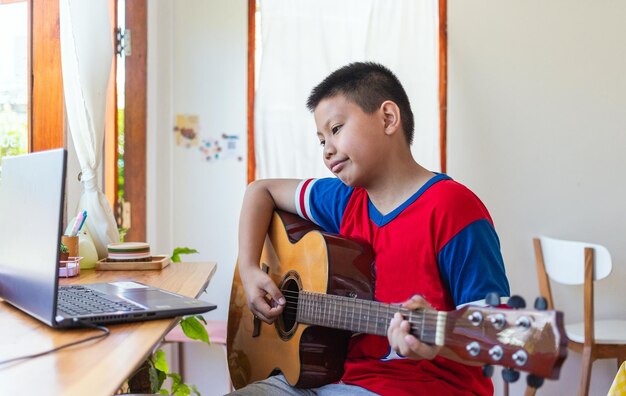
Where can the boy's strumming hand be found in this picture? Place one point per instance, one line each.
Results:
(264, 298)
(404, 343)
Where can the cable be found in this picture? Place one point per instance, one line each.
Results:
(105, 332)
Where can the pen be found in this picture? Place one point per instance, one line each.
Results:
(82, 222)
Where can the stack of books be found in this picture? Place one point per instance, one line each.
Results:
(128, 251)
(131, 256)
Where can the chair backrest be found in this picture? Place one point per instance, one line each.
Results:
(565, 260)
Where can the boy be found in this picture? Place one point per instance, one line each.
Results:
(433, 239)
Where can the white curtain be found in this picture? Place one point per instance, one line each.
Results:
(303, 41)
(86, 57)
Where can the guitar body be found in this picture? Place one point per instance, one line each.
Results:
(297, 257)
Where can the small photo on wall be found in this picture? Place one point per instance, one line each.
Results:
(186, 130)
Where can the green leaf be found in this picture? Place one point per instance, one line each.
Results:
(181, 250)
(195, 390)
(201, 318)
(181, 390)
(176, 380)
(163, 392)
(154, 379)
(162, 377)
(194, 329)
(160, 363)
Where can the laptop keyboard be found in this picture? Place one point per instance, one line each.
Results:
(78, 300)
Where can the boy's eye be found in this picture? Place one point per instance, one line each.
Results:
(335, 129)
(322, 142)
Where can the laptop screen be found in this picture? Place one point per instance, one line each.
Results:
(31, 209)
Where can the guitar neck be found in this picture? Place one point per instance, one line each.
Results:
(370, 317)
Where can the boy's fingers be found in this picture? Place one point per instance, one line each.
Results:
(256, 307)
(417, 301)
(421, 349)
(275, 293)
(262, 310)
(405, 344)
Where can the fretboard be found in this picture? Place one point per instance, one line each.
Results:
(365, 316)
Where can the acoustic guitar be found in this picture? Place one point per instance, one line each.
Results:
(327, 282)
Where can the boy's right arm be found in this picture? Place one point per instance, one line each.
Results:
(262, 197)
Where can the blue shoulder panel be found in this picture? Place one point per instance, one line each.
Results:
(328, 200)
(471, 264)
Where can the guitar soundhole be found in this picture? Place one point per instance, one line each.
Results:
(287, 322)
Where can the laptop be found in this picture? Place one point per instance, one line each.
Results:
(32, 188)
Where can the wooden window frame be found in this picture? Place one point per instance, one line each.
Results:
(443, 85)
(46, 127)
(109, 161)
(135, 119)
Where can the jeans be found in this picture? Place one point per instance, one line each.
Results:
(278, 385)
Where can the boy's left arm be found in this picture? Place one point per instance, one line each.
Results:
(409, 346)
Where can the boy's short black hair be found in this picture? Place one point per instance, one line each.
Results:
(367, 84)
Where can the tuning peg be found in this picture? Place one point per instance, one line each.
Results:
(488, 370)
(510, 375)
(534, 381)
(541, 304)
(516, 302)
(492, 299)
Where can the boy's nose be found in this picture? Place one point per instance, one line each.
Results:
(329, 150)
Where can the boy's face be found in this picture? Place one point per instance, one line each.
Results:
(352, 140)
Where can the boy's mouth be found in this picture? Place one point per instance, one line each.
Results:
(337, 166)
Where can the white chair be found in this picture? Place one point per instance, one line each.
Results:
(580, 263)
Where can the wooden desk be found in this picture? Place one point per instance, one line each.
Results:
(97, 367)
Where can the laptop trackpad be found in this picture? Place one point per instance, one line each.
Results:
(142, 294)
(153, 298)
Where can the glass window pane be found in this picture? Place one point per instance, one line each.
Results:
(13, 78)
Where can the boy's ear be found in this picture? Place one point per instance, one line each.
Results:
(391, 116)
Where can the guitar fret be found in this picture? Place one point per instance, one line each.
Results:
(344, 317)
(387, 318)
(335, 313)
(352, 319)
(360, 322)
(367, 321)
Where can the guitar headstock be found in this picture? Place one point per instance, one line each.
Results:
(532, 341)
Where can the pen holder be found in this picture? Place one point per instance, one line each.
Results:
(72, 244)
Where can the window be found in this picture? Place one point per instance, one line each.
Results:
(13, 78)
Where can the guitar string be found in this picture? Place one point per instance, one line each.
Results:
(379, 326)
(378, 306)
(429, 318)
(426, 336)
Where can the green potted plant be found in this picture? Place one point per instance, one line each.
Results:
(65, 254)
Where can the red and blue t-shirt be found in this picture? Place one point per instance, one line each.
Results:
(440, 243)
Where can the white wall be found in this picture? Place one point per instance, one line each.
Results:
(197, 64)
(536, 122)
